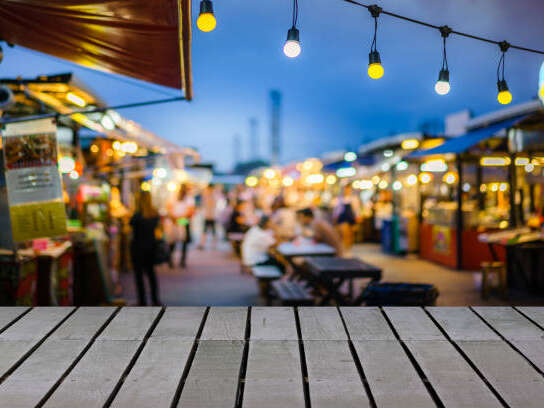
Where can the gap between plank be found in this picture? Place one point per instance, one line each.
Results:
(358, 363)
(303, 366)
(467, 359)
(190, 358)
(7, 326)
(77, 359)
(33, 349)
(243, 364)
(419, 370)
(134, 358)
(528, 318)
(512, 345)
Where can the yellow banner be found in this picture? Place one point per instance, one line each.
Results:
(38, 220)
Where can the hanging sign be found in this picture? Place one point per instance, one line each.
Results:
(33, 181)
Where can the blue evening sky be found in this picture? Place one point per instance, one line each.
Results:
(329, 102)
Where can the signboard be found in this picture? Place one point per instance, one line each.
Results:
(33, 181)
(441, 239)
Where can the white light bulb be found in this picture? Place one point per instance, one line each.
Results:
(442, 87)
(291, 48)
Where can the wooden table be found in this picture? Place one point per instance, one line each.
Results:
(332, 272)
(271, 357)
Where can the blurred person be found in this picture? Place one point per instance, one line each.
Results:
(284, 219)
(237, 221)
(209, 211)
(345, 212)
(145, 225)
(257, 241)
(321, 230)
(180, 213)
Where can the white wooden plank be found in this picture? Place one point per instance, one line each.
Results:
(225, 323)
(273, 377)
(455, 382)
(411, 323)
(366, 323)
(153, 380)
(181, 323)
(36, 323)
(83, 324)
(507, 371)
(462, 324)
(321, 323)
(333, 377)
(8, 314)
(273, 323)
(93, 379)
(534, 312)
(518, 330)
(509, 323)
(42, 369)
(24, 334)
(131, 323)
(392, 378)
(214, 376)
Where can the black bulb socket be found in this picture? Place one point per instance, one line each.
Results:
(374, 58)
(502, 86)
(444, 75)
(206, 6)
(293, 34)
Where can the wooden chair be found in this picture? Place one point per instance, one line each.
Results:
(265, 274)
(497, 269)
(292, 293)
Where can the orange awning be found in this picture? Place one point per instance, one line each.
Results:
(145, 39)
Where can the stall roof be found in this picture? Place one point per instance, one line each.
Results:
(462, 143)
(144, 39)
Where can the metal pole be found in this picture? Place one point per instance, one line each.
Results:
(513, 187)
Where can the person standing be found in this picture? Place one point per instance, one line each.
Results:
(345, 215)
(180, 212)
(209, 210)
(145, 225)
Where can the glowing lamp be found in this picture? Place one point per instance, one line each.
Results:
(252, 181)
(206, 20)
(331, 179)
(291, 48)
(409, 144)
(504, 96)
(375, 68)
(495, 161)
(76, 99)
(442, 86)
(425, 178)
(397, 185)
(66, 164)
(145, 186)
(287, 181)
(411, 179)
(350, 156)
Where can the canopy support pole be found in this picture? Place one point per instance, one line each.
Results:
(459, 218)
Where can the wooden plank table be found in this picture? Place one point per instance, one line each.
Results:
(332, 272)
(315, 357)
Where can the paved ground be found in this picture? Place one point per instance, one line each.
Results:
(213, 278)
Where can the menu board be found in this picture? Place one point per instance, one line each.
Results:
(33, 181)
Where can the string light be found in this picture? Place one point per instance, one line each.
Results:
(375, 68)
(291, 48)
(206, 19)
(504, 96)
(442, 86)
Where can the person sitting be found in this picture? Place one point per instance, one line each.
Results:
(257, 241)
(237, 222)
(322, 230)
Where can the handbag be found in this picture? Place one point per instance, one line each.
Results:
(161, 253)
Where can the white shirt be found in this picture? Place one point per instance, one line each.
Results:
(255, 245)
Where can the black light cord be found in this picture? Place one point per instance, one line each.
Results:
(459, 33)
(445, 57)
(374, 47)
(445, 31)
(504, 46)
(295, 13)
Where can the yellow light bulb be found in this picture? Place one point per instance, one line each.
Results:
(206, 22)
(375, 70)
(504, 97)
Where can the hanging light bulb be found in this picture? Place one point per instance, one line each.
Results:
(375, 68)
(504, 96)
(291, 48)
(442, 86)
(206, 20)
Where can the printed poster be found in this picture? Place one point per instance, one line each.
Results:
(33, 181)
(441, 239)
